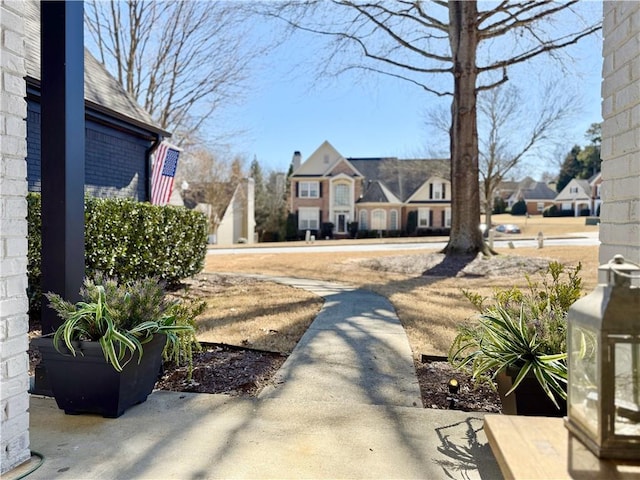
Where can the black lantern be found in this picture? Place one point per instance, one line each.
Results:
(603, 345)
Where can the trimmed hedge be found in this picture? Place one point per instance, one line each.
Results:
(128, 240)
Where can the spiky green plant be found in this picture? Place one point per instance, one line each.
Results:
(524, 329)
(123, 317)
(502, 340)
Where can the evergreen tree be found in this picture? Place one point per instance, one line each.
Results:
(590, 156)
(261, 199)
(571, 168)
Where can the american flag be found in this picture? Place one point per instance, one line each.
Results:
(165, 164)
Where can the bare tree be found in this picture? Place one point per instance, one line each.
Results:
(208, 182)
(412, 40)
(513, 130)
(183, 61)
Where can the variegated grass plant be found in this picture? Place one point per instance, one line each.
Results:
(525, 330)
(123, 317)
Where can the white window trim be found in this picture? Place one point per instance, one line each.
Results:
(306, 187)
(447, 217)
(436, 191)
(334, 196)
(309, 215)
(374, 213)
(363, 225)
(423, 214)
(392, 214)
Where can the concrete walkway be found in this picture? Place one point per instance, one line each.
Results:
(346, 404)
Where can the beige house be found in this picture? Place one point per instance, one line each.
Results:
(230, 209)
(333, 195)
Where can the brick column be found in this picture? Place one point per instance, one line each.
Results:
(14, 322)
(620, 211)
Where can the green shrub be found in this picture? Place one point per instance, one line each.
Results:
(132, 240)
(412, 222)
(550, 211)
(292, 227)
(519, 208)
(499, 206)
(128, 240)
(34, 274)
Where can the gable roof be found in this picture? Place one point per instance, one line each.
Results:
(375, 192)
(402, 177)
(584, 190)
(321, 161)
(536, 191)
(102, 92)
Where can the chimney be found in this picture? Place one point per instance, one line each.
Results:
(296, 160)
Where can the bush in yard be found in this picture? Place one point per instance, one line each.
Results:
(519, 208)
(132, 240)
(34, 273)
(412, 222)
(550, 211)
(129, 240)
(499, 206)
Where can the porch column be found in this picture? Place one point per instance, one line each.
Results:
(63, 137)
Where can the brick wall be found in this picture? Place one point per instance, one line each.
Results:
(620, 211)
(115, 161)
(14, 323)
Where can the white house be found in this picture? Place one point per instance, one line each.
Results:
(581, 194)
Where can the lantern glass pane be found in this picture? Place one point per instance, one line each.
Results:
(584, 402)
(627, 385)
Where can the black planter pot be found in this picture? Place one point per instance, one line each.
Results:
(528, 399)
(86, 383)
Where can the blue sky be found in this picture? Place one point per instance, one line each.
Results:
(287, 111)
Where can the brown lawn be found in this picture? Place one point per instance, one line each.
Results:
(272, 317)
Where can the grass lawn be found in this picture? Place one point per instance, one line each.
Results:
(430, 308)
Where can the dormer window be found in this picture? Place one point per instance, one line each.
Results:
(437, 191)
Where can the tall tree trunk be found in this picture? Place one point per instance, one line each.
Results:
(465, 238)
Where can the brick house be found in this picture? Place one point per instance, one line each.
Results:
(404, 196)
(119, 134)
(536, 195)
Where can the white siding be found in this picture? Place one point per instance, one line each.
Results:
(14, 322)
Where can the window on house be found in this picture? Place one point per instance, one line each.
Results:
(393, 220)
(438, 191)
(363, 220)
(308, 219)
(447, 217)
(540, 206)
(341, 195)
(308, 190)
(598, 191)
(423, 217)
(378, 220)
(573, 189)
